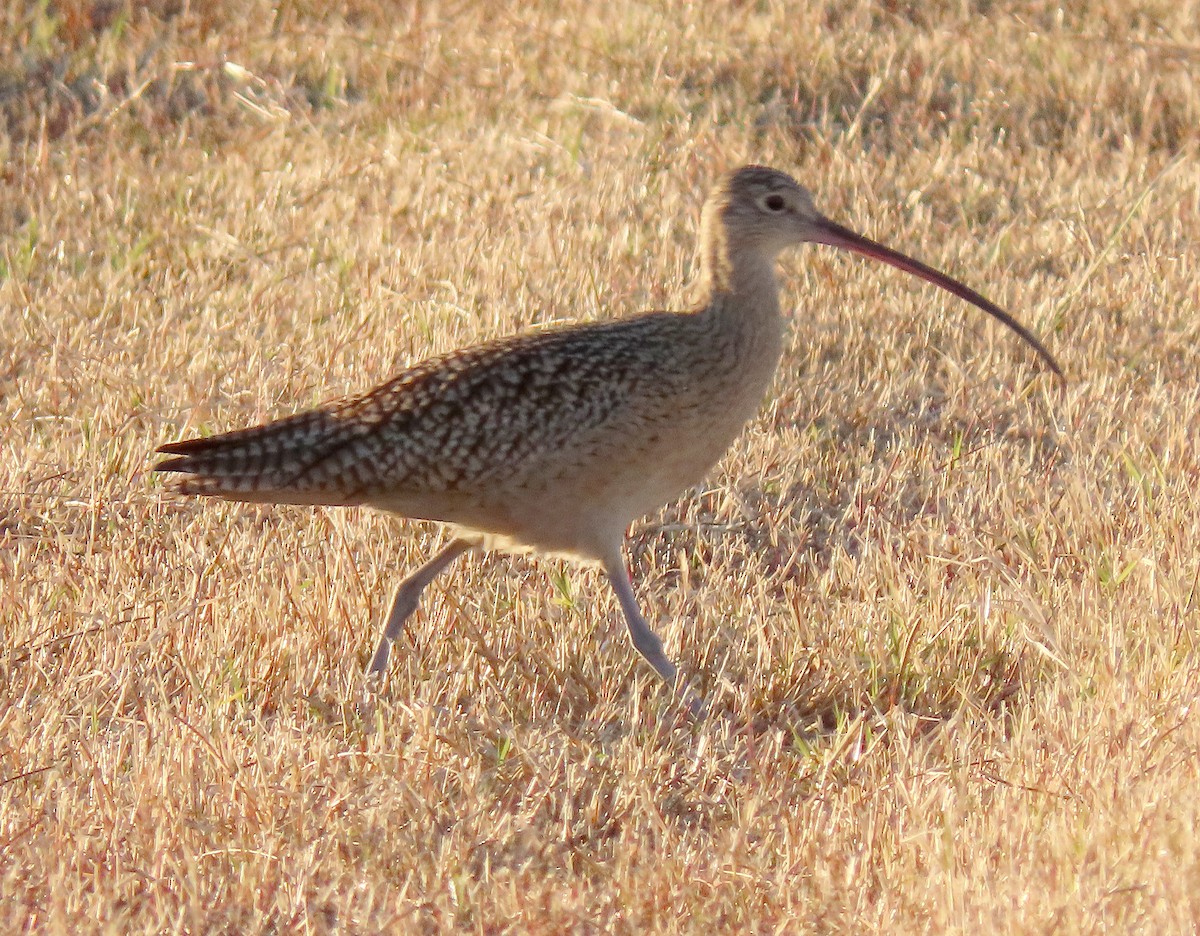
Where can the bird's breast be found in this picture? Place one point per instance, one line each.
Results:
(666, 439)
(619, 434)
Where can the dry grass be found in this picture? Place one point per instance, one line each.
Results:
(948, 609)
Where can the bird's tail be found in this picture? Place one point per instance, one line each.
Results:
(272, 463)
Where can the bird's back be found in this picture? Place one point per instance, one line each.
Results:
(475, 424)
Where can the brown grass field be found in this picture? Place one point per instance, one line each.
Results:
(945, 608)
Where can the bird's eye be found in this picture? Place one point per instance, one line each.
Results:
(773, 203)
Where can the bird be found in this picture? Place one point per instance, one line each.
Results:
(556, 440)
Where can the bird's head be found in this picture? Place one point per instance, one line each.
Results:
(755, 210)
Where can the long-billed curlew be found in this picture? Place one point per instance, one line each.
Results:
(559, 439)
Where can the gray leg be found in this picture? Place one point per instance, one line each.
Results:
(643, 638)
(408, 595)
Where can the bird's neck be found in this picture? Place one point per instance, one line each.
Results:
(739, 286)
(740, 327)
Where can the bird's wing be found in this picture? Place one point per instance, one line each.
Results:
(457, 422)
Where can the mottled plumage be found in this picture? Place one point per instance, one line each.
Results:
(555, 440)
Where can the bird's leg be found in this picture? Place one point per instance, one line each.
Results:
(408, 595)
(646, 642)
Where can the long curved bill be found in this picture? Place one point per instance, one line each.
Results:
(832, 234)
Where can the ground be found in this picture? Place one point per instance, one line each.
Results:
(944, 607)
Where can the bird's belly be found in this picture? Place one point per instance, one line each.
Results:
(579, 499)
(583, 506)
(580, 502)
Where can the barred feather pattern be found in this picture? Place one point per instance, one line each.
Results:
(476, 419)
